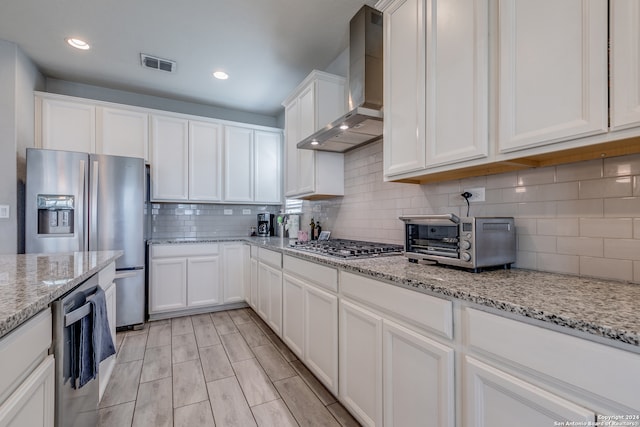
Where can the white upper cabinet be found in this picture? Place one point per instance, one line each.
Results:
(238, 164)
(205, 161)
(552, 69)
(436, 103)
(253, 172)
(76, 124)
(268, 167)
(169, 158)
(122, 132)
(625, 63)
(316, 102)
(66, 124)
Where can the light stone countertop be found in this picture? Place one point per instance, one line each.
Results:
(607, 311)
(29, 283)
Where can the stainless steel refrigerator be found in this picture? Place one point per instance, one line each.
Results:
(79, 202)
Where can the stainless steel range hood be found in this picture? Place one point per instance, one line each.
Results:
(363, 123)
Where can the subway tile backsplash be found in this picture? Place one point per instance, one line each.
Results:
(581, 218)
(180, 221)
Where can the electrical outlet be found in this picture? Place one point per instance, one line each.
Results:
(246, 211)
(477, 194)
(4, 211)
(228, 211)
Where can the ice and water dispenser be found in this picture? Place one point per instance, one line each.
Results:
(55, 214)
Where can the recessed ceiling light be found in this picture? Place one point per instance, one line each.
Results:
(344, 127)
(78, 43)
(314, 142)
(220, 75)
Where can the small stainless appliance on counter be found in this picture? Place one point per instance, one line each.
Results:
(265, 224)
(347, 249)
(81, 202)
(470, 242)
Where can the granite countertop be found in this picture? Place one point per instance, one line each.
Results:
(29, 283)
(600, 308)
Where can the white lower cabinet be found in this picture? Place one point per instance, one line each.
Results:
(183, 277)
(106, 279)
(397, 359)
(321, 335)
(32, 404)
(310, 327)
(168, 284)
(233, 282)
(360, 357)
(293, 314)
(270, 296)
(253, 284)
(203, 281)
(496, 399)
(27, 380)
(418, 378)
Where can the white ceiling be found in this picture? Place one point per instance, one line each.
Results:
(266, 46)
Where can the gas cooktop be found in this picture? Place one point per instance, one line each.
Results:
(348, 249)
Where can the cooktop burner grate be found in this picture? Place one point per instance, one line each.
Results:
(348, 249)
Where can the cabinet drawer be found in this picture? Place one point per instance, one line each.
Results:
(22, 350)
(593, 367)
(325, 277)
(427, 312)
(272, 258)
(191, 249)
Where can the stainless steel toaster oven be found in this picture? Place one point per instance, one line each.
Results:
(468, 242)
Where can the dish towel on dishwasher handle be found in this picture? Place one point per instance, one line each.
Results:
(96, 343)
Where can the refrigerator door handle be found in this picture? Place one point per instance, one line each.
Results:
(130, 273)
(84, 238)
(93, 209)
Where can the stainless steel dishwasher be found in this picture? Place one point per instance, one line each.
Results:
(75, 407)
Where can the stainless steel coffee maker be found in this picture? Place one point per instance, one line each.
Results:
(265, 224)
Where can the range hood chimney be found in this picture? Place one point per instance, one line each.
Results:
(363, 123)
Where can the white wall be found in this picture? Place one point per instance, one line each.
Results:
(581, 218)
(82, 90)
(18, 79)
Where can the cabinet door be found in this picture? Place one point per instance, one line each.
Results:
(293, 314)
(169, 158)
(233, 284)
(404, 90)
(168, 284)
(238, 164)
(275, 301)
(321, 335)
(263, 291)
(291, 132)
(497, 399)
(68, 125)
(122, 133)
(106, 366)
(32, 404)
(203, 281)
(418, 379)
(305, 170)
(553, 71)
(457, 66)
(205, 161)
(360, 358)
(625, 63)
(268, 170)
(253, 298)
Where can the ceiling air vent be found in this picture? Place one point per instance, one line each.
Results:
(156, 63)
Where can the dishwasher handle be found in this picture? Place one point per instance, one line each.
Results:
(79, 313)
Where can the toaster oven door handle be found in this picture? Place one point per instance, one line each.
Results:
(451, 217)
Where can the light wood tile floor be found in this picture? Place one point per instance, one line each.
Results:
(219, 369)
